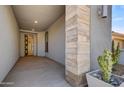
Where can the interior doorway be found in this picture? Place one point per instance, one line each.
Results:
(28, 44)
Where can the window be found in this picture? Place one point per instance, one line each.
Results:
(46, 42)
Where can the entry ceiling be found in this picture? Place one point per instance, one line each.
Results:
(44, 14)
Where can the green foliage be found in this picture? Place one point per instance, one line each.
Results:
(106, 63)
(115, 53)
(107, 60)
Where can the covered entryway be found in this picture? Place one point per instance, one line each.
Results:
(68, 39)
(37, 46)
(42, 36)
(36, 72)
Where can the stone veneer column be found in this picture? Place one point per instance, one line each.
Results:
(77, 55)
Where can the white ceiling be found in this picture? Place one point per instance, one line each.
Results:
(44, 14)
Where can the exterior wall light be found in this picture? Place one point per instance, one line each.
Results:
(103, 11)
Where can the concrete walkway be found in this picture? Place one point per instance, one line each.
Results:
(36, 72)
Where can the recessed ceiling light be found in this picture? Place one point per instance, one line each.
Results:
(35, 22)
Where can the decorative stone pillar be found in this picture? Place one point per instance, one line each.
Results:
(77, 55)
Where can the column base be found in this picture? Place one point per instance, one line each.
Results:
(76, 80)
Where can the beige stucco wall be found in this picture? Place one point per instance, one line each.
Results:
(121, 42)
(9, 41)
(41, 44)
(56, 34)
(22, 44)
(100, 34)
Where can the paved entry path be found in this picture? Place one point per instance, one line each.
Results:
(36, 72)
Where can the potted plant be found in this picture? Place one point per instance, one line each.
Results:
(104, 76)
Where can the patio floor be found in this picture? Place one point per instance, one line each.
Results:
(36, 72)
